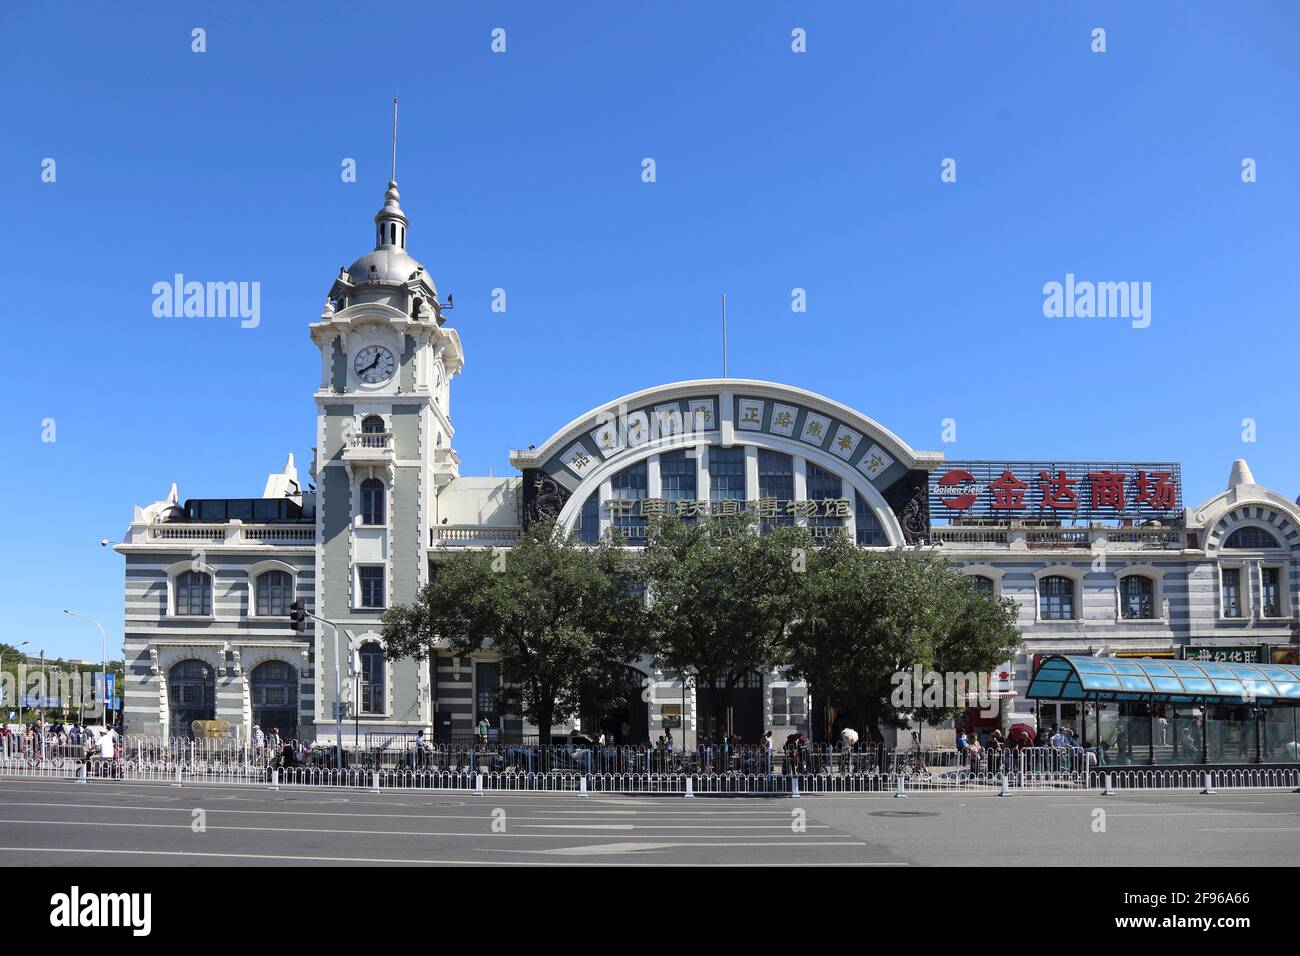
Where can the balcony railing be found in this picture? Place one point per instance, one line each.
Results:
(1095, 537)
(473, 537)
(233, 533)
(371, 440)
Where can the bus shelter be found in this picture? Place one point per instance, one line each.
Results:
(1159, 712)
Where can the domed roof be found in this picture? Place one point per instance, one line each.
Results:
(389, 263)
(389, 266)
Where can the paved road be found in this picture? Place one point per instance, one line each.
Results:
(56, 822)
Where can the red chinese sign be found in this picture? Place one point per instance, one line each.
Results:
(1085, 491)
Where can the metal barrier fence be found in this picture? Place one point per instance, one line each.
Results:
(908, 772)
(183, 765)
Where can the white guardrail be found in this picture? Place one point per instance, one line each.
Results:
(1045, 771)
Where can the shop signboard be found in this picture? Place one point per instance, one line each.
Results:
(1076, 491)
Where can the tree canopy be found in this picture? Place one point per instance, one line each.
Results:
(867, 616)
(561, 616)
(721, 597)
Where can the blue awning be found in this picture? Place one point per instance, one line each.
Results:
(1118, 679)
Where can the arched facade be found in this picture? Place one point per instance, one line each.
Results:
(733, 426)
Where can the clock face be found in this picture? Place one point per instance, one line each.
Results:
(374, 364)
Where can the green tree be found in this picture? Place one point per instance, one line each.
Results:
(560, 616)
(868, 616)
(721, 597)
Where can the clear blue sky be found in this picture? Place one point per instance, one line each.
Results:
(522, 171)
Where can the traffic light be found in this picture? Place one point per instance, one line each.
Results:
(298, 615)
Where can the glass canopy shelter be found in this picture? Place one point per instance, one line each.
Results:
(1178, 712)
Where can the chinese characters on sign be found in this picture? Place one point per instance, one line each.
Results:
(1249, 654)
(620, 510)
(1084, 491)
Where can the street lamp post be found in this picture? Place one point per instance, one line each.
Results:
(338, 693)
(103, 656)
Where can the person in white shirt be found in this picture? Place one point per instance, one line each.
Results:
(107, 742)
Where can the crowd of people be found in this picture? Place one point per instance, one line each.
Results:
(98, 745)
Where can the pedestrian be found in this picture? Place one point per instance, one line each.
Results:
(975, 753)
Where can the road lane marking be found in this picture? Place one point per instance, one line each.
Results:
(180, 854)
(246, 829)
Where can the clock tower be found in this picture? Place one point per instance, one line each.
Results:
(383, 452)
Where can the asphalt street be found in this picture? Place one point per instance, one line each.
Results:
(58, 822)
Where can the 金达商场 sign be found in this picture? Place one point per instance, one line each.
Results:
(1065, 491)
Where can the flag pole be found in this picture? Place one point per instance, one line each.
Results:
(724, 335)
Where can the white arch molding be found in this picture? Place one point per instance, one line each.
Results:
(836, 466)
(727, 389)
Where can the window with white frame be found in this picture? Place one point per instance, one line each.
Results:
(274, 593)
(194, 593)
(1230, 598)
(370, 584)
(1137, 598)
(373, 678)
(779, 709)
(372, 501)
(1270, 592)
(1056, 598)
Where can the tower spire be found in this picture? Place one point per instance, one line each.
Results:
(390, 222)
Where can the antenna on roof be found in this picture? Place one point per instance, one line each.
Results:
(393, 178)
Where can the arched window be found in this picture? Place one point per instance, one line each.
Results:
(1137, 597)
(372, 501)
(372, 678)
(1250, 537)
(274, 593)
(273, 692)
(372, 425)
(1056, 598)
(982, 584)
(194, 593)
(191, 695)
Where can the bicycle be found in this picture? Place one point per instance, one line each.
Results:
(36, 759)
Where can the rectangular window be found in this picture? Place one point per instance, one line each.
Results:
(1137, 597)
(779, 706)
(630, 484)
(1056, 598)
(798, 707)
(776, 480)
(1271, 578)
(487, 691)
(587, 528)
(1231, 592)
(727, 474)
(677, 476)
(823, 487)
(371, 580)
